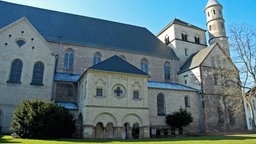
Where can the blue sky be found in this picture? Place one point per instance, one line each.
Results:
(152, 14)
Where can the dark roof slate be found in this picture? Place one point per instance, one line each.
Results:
(68, 77)
(81, 30)
(117, 64)
(196, 59)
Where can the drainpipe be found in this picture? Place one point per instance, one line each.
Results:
(200, 110)
(54, 72)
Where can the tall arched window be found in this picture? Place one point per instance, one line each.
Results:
(167, 71)
(96, 58)
(160, 104)
(16, 70)
(144, 65)
(184, 37)
(38, 73)
(187, 101)
(68, 62)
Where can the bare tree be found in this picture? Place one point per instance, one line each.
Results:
(243, 52)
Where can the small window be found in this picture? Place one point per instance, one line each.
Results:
(97, 58)
(135, 94)
(20, 43)
(214, 12)
(118, 91)
(38, 74)
(208, 14)
(167, 71)
(68, 61)
(184, 37)
(215, 79)
(197, 40)
(16, 70)
(187, 101)
(99, 92)
(185, 82)
(144, 65)
(167, 40)
(186, 51)
(210, 27)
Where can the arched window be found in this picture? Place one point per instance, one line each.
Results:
(187, 101)
(215, 79)
(96, 58)
(16, 70)
(38, 73)
(160, 104)
(144, 65)
(184, 37)
(167, 71)
(167, 40)
(68, 62)
(197, 40)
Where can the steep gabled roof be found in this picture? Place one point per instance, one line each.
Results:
(23, 19)
(196, 59)
(116, 64)
(86, 31)
(180, 22)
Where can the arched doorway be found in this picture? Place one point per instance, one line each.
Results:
(125, 132)
(109, 131)
(135, 131)
(99, 131)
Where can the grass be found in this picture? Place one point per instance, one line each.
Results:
(225, 139)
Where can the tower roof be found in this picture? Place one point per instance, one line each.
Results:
(211, 3)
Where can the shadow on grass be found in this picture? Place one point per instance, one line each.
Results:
(190, 138)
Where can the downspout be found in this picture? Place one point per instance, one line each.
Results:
(202, 102)
(54, 72)
(200, 110)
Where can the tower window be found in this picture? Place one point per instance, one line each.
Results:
(215, 79)
(184, 37)
(186, 52)
(197, 40)
(210, 27)
(214, 12)
(167, 40)
(208, 14)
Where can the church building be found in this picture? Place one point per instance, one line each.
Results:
(119, 80)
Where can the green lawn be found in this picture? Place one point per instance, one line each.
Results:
(227, 139)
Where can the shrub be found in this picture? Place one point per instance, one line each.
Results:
(38, 119)
(179, 120)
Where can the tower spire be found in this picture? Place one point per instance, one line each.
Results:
(216, 26)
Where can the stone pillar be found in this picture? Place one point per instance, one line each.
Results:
(118, 132)
(89, 132)
(146, 132)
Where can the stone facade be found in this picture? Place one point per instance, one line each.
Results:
(34, 49)
(112, 104)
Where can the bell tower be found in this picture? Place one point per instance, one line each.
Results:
(216, 25)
